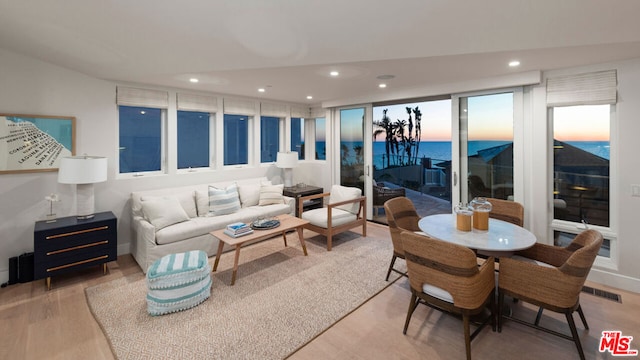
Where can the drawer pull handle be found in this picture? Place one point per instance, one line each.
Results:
(77, 263)
(78, 247)
(76, 232)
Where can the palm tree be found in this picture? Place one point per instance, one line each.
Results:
(385, 125)
(418, 116)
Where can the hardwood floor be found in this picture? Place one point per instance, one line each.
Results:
(57, 324)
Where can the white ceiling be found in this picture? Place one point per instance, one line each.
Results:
(289, 46)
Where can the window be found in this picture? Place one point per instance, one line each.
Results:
(581, 145)
(321, 139)
(581, 113)
(140, 139)
(269, 138)
(142, 126)
(297, 136)
(236, 139)
(193, 139)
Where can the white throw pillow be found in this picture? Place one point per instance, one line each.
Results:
(250, 193)
(163, 211)
(224, 201)
(202, 202)
(185, 198)
(271, 194)
(342, 193)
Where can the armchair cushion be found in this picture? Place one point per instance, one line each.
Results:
(342, 193)
(319, 217)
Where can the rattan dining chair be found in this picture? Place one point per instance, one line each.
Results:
(507, 210)
(445, 276)
(401, 215)
(557, 287)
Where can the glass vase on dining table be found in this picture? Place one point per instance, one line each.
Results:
(481, 209)
(463, 217)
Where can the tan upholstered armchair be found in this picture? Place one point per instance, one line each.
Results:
(555, 284)
(401, 215)
(445, 276)
(344, 211)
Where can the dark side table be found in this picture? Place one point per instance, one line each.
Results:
(69, 244)
(297, 192)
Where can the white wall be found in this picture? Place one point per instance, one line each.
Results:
(30, 86)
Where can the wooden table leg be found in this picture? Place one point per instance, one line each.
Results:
(304, 246)
(284, 236)
(235, 264)
(220, 246)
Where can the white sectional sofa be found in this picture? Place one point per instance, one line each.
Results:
(179, 219)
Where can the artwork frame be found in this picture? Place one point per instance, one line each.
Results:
(35, 143)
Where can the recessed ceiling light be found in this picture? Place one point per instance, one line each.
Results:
(514, 63)
(382, 86)
(193, 80)
(261, 90)
(309, 97)
(334, 73)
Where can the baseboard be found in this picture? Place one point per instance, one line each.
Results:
(614, 280)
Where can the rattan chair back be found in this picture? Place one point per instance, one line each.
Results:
(507, 210)
(401, 215)
(452, 268)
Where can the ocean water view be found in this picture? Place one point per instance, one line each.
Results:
(441, 150)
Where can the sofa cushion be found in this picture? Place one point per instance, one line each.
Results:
(163, 211)
(271, 194)
(203, 225)
(186, 198)
(224, 201)
(250, 193)
(342, 193)
(318, 217)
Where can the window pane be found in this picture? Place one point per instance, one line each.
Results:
(140, 139)
(193, 139)
(489, 145)
(561, 238)
(236, 139)
(581, 163)
(321, 139)
(351, 150)
(297, 136)
(269, 138)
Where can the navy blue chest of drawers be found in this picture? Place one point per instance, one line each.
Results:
(70, 244)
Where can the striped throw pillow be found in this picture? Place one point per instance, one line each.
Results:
(271, 194)
(223, 201)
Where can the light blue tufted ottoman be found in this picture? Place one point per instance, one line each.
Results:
(178, 282)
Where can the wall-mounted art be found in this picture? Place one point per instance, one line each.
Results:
(30, 143)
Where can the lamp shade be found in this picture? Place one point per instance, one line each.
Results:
(82, 170)
(287, 160)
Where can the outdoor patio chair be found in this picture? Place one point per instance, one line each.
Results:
(345, 210)
(382, 193)
(401, 215)
(557, 287)
(445, 276)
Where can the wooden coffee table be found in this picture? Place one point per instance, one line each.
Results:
(287, 223)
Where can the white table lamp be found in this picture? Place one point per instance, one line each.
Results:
(287, 161)
(84, 171)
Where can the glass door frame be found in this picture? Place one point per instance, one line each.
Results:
(459, 165)
(367, 144)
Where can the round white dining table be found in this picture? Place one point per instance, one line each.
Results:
(502, 238)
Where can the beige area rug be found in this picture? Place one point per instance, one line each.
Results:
(281, 301)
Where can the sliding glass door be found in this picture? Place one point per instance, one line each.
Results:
(486, 145)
